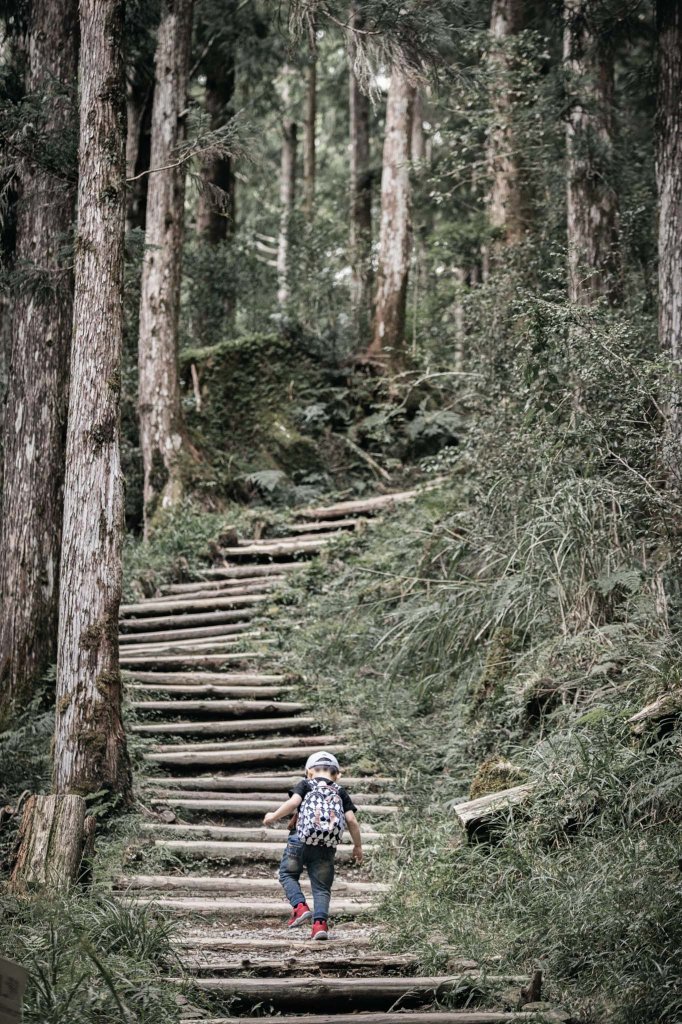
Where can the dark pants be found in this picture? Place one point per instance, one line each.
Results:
(319, 861)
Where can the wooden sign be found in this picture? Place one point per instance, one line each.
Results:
(13, 980)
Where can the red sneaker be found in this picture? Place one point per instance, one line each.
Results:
(301, 913)
(320, 930)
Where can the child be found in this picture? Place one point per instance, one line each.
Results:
(321, 808)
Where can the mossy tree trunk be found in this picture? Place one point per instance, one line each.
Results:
(669, 182)
(360, 241)
(90, 749)
(161, 429)
(395, 235)
(40, 333)
(592, 202)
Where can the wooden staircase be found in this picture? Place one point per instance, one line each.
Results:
(226, 735)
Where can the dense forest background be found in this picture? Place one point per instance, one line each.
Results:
(270, 251)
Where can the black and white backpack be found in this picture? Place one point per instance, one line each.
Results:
(321, 820)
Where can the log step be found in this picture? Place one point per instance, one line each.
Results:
(226, 728)
(407, 1017)
(313, 743)
(232, 572)
(294, 545)
(219, 588)
(192, 659)
(226, 907)
(234, 883)
(181, 620)
(327, 524)
(272, 782)
(365, 801)
(255, 692)
(312, 961)
(240, 834)
(226, 707)
(196, 633)
(272, 580)
(362, 506)
(171, 679)
(264, 756)
(299, 993)
(252, 806)
(296, 939)
(163, 605)
(232, 850)
(192, 645)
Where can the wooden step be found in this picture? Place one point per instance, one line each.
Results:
(362, 506)
(220, 588)
(314, 959)
(224, 728)
(230, 572)
(252, 692)
(410, 1017)
(236, 708)
(240, 833)
(327, 524)
(174, 680)
(365, 801)
(290, 547)
(181, 604)
(294, 940)
(195, 660)
(273, 782)
(312, 743)
(195, 633)
(302, 536)
(235, 851)
(242, 908)
(252, 806)
(271, 579)
(183, 619)
(300, 993)
(191, 644)
(261, 756)
(233, 883)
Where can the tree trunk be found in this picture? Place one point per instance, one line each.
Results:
(138, 105)
(309, 126)
(669, 182)
(287, 190)
(216, 205)
(394, 236)
(161, 431)
(360, 201)
(90, 750)
(505, 199)
(51, 842)
(592, 203)
(35, 404)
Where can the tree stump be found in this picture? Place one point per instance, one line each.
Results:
(51, 842)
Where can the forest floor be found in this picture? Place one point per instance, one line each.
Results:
(221, 724)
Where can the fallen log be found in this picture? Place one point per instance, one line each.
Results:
(360, 506)
(52, 840)
(231, 707)
(667, 706)
(184, 620)
(239, 725)
(186, 604)
(473, 813)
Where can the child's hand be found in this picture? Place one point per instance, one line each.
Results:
(269, 818)
(357, 855)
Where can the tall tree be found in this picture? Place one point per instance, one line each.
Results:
(669, 183)
(35, 404)
(505, 199)
(360, 241)
(309, 123)
(161, 431)
(287, 187)
(90, 750)
(216, 203)
(394, 236)
(592, 202)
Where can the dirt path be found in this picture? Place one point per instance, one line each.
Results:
(226, 738)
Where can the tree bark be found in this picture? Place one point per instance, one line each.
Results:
(35, 403)
(216, 205)
(51, 842)
(90, 749)
(394, 237)
(287, 190)
(360, 241)
(309, 126)
(669, 183)
(161, 430)
(138, 104)
(592, 203)
(505, 199)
